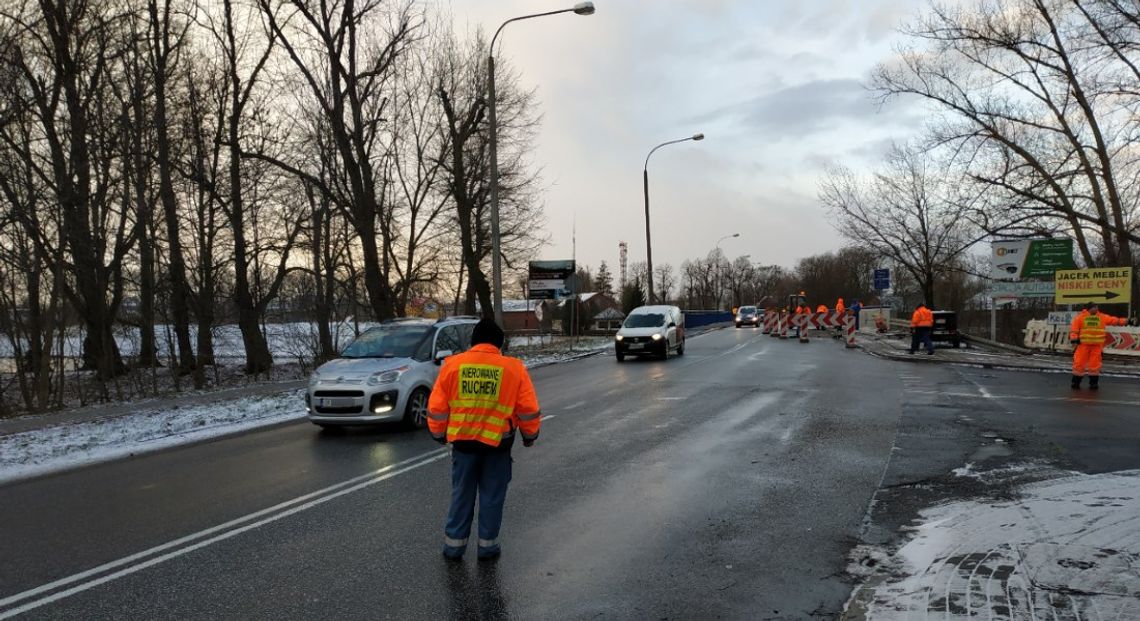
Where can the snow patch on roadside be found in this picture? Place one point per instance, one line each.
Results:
(57, 448)
(1068, 547)
(60, 447)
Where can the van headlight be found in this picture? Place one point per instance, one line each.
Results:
(657, 337)
(619, 338)
(386, 377)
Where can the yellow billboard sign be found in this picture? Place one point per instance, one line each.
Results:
(1111, 285)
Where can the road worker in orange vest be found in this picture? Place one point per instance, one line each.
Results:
(840, 308)
(1088, 338)
(480, 399)
(922, 326)
(822, 308)
(841, 312)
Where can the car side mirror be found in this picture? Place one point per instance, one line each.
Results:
(441, 354)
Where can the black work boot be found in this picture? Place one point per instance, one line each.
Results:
(1094, 382)
(1077, 382)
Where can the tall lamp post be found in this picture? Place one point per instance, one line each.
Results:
(582, 8)
(645, 186)
(719, 271)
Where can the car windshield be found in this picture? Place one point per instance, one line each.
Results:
(747, 310)
(387, 342)
(645, 320)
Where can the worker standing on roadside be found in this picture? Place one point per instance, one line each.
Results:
(841, 313)
(480, 398)
(1088, 337)
(922, 325)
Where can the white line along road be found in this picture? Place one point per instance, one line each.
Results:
(128, 565)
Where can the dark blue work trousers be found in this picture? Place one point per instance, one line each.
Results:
(922, 335)
(482, 474)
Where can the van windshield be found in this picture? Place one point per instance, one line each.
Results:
(645, 320)
(747, 310)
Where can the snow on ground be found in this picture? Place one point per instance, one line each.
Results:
(1064, 548)
(60, 447)
(66, 446)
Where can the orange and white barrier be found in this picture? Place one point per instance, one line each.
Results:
(1121, 340)
(784, 321)
(850, 321)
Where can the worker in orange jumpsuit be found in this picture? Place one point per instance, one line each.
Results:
(1088, 338)
(480, 399)
(802, 309)
(841, 312)
(922, 327)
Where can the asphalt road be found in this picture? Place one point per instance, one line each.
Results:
(731, 482)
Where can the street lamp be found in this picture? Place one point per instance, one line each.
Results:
(719, 271)
(582, 8)
(645, 185)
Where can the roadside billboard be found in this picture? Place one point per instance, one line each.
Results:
(1030, 258)
(548, 279)
(1105, 285)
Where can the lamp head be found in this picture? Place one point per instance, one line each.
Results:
(584, 8)
(698, 136)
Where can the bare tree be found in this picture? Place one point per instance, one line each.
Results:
(344, 53)
(907, 212)
(1038, 102)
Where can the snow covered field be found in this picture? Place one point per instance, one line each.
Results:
(68, 445)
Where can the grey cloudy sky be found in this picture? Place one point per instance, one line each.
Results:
(776, 86)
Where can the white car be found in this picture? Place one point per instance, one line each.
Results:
(386, 374)
(651, 331)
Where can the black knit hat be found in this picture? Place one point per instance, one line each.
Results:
(487, 331)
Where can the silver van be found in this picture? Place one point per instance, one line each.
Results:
(651, 331)
(386, 374)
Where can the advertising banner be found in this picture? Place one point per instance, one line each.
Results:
(1102, 285)
(1031, 258)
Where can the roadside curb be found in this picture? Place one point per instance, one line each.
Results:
(549, 363)
(1003, 365)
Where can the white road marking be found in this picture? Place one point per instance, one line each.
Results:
(670, 398)
(221, 532)
(575, 406)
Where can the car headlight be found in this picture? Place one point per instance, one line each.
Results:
(314, 379)
(386, 377)
(657, 337)
(618, 338)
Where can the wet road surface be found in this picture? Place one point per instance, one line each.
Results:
(731, 482)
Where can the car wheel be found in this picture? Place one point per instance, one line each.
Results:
(415, 413)
(737, 325)
(621, 357)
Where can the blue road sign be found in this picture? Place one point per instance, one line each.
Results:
(882, 279)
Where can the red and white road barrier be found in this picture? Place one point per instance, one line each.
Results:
(824, 321)
(784, 321)
(850, 321)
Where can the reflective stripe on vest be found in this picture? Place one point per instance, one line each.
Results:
(1092, 330)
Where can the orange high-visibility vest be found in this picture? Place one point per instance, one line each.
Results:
(839, 307)
(482, 395)
(922, 318)
(1089, 328)
(822, 308)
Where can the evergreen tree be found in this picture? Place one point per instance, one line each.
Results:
(632, 296)
(604, 280)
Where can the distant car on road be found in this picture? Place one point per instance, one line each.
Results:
(747, 316)
(651, 331)
(386, 374)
